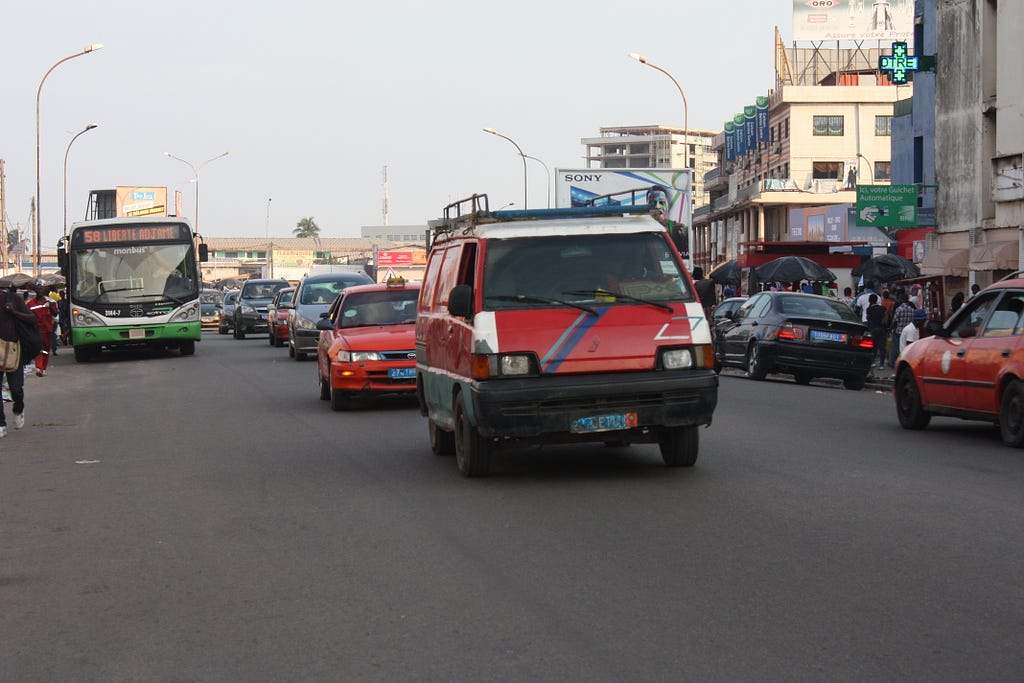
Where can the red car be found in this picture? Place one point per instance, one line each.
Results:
(367, 343)
(277, 316)
(972, 367)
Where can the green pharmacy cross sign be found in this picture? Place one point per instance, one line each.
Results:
(899, 64)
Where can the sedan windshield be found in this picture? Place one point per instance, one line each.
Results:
(530, 272)
(385, 307)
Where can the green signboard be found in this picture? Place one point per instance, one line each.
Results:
(887, 206)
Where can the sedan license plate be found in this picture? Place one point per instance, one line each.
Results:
(401, 373)
(604, 423)
(822, 335)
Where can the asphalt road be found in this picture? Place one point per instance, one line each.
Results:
(210, 519)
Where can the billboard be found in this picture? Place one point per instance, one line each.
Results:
(887, 206)
(818, 20)
(141, 201)
(819, 223)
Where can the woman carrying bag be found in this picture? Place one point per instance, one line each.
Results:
(12, 308)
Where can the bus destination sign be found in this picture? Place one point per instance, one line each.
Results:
(133, 234)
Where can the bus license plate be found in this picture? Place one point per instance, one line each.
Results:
(604, 423)
(401, 373)
(136, 333)
(821, 335)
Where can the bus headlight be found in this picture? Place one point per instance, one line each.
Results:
(85, 318)
(186, 314)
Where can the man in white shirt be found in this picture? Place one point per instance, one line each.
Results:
(912, 332)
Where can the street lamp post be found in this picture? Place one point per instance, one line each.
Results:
(518, 149)
(195, 172)
(686, 140)
(36, 228)
(547, 171)
(871, 168)
(66, 152)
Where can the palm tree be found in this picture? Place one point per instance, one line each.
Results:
(306, 227)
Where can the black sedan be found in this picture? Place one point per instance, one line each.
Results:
(804, 335)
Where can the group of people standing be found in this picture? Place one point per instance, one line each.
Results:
(44, 312)
(894, 322)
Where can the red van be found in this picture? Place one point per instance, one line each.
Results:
(559, 326)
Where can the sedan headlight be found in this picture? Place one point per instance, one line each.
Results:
(248, 309)
(305, 323)
(357, 356)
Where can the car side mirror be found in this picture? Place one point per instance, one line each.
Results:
(460, 301)
(325, 324)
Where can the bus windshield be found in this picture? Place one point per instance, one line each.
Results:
(134, 273)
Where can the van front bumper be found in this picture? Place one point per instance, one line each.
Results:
(545, 408)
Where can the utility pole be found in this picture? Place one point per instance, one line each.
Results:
(384, 201)
(3, 218)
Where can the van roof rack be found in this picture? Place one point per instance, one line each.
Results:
(465, 214)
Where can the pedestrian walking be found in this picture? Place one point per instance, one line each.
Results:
(45, 310)
(13, 306)
(902, 316)
(877, 322)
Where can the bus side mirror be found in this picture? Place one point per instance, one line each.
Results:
(62, 259)
(204, 252)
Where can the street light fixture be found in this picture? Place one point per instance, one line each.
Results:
(518, 149)
(66, 152)
(195, 172)
(871, 168)
(36, 228)
(686, 140)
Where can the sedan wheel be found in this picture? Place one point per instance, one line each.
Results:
(340, 400)
(855, 383)
(325, 386)
(756, 368)
(909, 410)
(1011, 414)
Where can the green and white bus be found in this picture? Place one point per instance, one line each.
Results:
(132, 282)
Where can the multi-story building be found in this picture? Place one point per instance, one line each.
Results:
(978, 141)
(829, 125)
(655, 147)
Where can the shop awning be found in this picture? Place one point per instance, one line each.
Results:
(995, 256)
(952, 262)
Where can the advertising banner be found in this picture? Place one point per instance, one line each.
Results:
(141, 201)
(730, 141)
(820, 20)
(741, 134)
(763, 132)
(750, 122)
(819, 223)
(887, 206)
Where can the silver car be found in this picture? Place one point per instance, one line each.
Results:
(314, 296)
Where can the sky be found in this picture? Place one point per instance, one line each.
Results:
(312, 100)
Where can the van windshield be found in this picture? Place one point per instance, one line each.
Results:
(532, 272)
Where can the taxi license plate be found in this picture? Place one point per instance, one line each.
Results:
(401, 373)
(822, 335)
(604, 423)
(137, 333)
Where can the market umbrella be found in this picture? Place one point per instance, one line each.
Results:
(16, 279)
(728, 273)
(53, 279)
(793, 269)
(887, 268)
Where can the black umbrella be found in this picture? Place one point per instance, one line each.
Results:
(16, 279)
(728, 273)
(887, 268)
(793, 269)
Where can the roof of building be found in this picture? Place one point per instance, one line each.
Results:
(298, 243)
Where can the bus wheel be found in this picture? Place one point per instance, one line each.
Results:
(188, 347)
(83, 354)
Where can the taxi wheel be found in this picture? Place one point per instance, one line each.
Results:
(1011, 414)
(270, 336)
(756, 368)
(340, 400)
(909, 410)
(680, 446)
(472, 451)
(325, 386)
(441, 442)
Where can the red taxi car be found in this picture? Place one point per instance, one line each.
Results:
(277, 316)
(972, 367)
(367, 343)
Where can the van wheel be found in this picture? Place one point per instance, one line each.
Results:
(679, 446)
(472, 451)
(1011, 414)
(441, 442)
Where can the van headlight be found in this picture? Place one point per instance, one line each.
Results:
(495, 365)
(688, 358)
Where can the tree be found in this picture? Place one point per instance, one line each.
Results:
(306, 227)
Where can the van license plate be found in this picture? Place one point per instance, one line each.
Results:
(604, 423)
